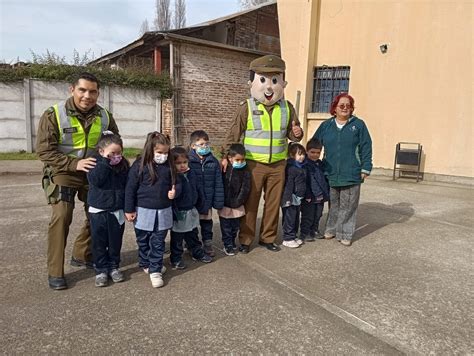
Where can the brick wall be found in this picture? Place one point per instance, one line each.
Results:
(213, 83)
(259, 30)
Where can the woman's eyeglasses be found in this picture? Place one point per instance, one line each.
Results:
(345, 106)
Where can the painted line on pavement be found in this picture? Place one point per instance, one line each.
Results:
(331, 308)
(361, 227)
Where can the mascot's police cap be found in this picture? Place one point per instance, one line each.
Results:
(268, 64)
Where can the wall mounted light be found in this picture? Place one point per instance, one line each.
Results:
(383, 48)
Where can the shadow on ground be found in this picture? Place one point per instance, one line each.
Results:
(374, 216)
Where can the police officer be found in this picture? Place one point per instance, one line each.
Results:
(66, 138)
(264, 122)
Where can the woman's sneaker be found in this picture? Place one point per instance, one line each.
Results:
(177, 265)
(299, 241)
(346, 242)
(229, 250)
(291, 244)
(156, 280)
(101, 280)
(116, 276)
(328, 236)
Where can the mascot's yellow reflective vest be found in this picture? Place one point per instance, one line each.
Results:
(73, 141)
(265, 139)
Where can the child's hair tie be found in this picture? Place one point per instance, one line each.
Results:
(107, 133)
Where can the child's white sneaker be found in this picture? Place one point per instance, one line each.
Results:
(163, 270)
(156, 280)
(291, 244)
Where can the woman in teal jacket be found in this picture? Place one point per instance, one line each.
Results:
(347, 162)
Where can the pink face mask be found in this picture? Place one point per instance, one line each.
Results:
(114, 160)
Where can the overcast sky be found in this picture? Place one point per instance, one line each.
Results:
(100, 25)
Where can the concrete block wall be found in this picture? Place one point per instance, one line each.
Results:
(137, 112)
(12, 117)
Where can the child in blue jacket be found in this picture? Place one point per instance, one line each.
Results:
(317, 192)
(106, 198)
(208, 170)
(186, 206)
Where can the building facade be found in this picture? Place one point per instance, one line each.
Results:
(407, 63)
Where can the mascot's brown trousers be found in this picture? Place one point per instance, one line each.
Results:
(271, 179)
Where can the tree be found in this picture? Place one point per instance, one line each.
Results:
(162, 15)
(179, 19)
(245, 4)
(144, 27)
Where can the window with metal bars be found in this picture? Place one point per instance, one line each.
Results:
(327, 83)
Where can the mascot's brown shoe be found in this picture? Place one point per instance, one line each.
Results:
(57, 283)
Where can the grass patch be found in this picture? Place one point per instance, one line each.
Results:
(130, 152)
(23, 155)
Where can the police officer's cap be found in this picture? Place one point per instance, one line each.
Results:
(268, 64)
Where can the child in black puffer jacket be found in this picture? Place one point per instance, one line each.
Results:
(236, 192)
(106, 200)
(293, 194)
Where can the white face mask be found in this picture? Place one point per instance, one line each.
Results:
(160, 158)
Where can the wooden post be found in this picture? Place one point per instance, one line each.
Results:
(158, 114)
(157, 60)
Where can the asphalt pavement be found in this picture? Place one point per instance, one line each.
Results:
(405, 286)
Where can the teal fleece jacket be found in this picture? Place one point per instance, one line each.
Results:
(347, 151)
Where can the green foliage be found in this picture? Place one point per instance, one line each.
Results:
(50, 67)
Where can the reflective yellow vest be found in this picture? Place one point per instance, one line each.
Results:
(265, 139)
(73, 141)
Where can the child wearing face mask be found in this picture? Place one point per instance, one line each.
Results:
(148, 199)
(186, 208)
(293, 194)
(236, 192)
(208, 171)
(105, 198)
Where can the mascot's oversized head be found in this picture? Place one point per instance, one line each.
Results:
(267, 79)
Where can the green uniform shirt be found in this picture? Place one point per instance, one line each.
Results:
(47, 139)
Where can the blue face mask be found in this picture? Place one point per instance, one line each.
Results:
(239, 165)
(202, 151)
